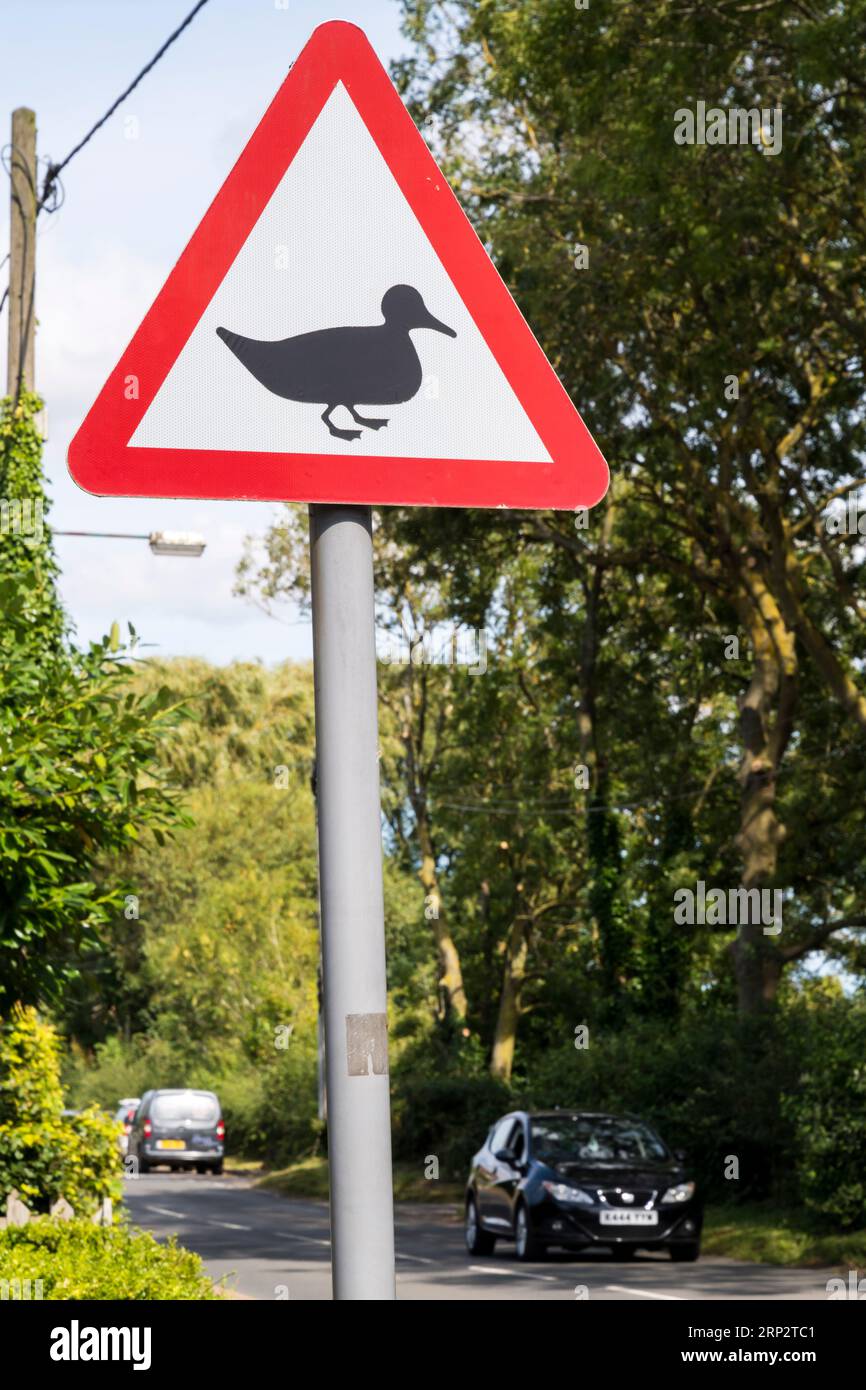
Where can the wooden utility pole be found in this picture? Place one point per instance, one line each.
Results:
(22, 254)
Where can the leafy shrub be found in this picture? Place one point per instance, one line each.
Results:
(43, 1154)
(270, 1109)
(827, 1108)
(445, 1116)
(119, 1068)
(76, 1260)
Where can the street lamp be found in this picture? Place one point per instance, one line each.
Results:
(160, 542)
(176, 543)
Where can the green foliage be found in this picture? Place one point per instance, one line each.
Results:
(26, 557)
(119, 1067)
(29, 1069)
(309, 1177)
(78, 774)
(785, 1095)
(705, 262)
(770, 1234)
(43, 1154)
(269, 1104)
(828, 1110)
(223, 949)
(76, 1260)
(220, 965)
(271, 1110)
(711, 1085)
(446, 1116)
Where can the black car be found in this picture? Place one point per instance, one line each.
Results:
(577, 1180)
(181, 1128)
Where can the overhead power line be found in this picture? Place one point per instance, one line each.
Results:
(49, 186)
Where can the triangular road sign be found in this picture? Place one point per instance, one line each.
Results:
(336, 332)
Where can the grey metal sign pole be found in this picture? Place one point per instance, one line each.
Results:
(352, 907)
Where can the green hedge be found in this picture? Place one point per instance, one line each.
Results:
(827, 1110)
(76, 1260)
(271, 1109)
(444, 1116)
(785, 1094)
(42, 1154)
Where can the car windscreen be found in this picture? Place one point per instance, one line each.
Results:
(190, 1105)
(595, 1139)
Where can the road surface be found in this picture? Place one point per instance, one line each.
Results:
(270, 1247)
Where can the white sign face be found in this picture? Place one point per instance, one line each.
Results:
(337, 235)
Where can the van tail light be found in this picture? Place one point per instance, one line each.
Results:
(147, 1129)
(221, 1131)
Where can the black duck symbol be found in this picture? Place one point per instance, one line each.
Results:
(341, 366)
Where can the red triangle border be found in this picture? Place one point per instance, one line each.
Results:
(100, 459)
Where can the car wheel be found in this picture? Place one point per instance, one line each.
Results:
(478, 1241)
(201, 1167)
(143, 1167)
(682, 1254)
(217, 1168)
(528, 1248)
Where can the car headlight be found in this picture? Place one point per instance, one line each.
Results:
(562, 1192)
(680, 1193)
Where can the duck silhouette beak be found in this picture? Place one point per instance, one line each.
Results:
(430, 322)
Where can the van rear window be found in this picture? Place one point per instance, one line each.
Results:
(191, 1105)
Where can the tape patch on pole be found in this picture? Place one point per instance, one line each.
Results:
(367, 1044)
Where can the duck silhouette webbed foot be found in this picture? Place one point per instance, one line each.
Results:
(333, 429)
(362, 420)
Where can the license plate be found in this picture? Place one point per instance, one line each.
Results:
(170, 1144)
(629, 1218)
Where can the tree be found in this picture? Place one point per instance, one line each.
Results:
(217, 947)
(715, 341)
(78, 768)
(417, 700)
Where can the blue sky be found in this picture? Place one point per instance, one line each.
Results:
(131, 206)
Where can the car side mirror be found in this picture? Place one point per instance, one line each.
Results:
(506, 1156)
(680, 1155)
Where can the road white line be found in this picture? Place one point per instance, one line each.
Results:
(309, 1240)
(313, 1240)
(167, 1211)
(514, 1273)
(643, 1293)
(230, 1225)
